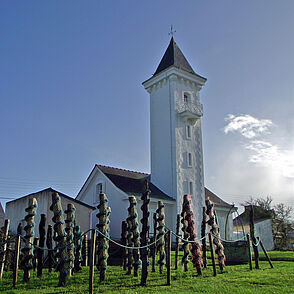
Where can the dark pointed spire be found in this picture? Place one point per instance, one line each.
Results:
(173, 56)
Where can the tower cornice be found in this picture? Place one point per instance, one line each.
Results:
(174, 73)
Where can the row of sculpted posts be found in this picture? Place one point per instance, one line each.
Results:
(27, 252)
(188, 239)
(71, 250)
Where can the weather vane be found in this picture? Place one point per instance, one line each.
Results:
(171, 33)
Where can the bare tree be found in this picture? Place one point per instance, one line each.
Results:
(282, 225)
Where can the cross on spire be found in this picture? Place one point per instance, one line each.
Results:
(172, 31)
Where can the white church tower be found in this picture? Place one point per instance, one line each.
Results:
(175, 122)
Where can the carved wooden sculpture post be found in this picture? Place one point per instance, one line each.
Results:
(252, 235)
(49, 244)
(78, 247)
(161, 231)
(154, 239)
(124, 228)
(85, 251)
(130, 243)
(216, 235)
(59, 227)
(203, 232)
(145, 232)
(34, 259)
(70, 218)
(8, 255)
(4, 246)
(16, 260)
(133, 220)
(19, 233)
(195, 247)
(177, 240)
(29, 237)
(185, 248)
(42, 233)
(102, 226)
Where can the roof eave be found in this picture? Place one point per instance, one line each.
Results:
(176, 71)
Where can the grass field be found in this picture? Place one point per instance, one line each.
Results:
(235, 279)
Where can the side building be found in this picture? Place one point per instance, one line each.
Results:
(262, 224)
(15, 210)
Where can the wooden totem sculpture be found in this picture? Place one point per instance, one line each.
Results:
(40, 253)
(160, 234)
(185, 248)
(124, 232)
(215, 233)
(103, 227)
(145, 232)
(130, 243)
(29, 238)
(49, 244)
(78, 249)
(195, 247)
(85, 251)
(134, 227)
(60, 239)
(70, 218)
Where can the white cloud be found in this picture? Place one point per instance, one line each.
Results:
(247, 125)
(262, 152)
(269, 155)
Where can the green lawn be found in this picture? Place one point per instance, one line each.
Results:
(279, 255)
(235, 279)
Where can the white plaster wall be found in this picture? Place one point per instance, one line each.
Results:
(117, 200)
(161, 136)
(222, 216)
(264, 231)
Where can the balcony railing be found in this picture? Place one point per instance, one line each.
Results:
(190, 109)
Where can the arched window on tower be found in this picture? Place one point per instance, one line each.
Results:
(187, 97)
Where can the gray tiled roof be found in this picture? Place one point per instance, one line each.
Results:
(173, 56)
(132, 182)
(60, 194)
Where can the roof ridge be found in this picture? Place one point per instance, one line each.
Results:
(173, 56)
(128, 170)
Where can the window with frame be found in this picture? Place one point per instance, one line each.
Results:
(186, 97)
(188, 132)
(189, 159)
(99, 189)
(191, 188)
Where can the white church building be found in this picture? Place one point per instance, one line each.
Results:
(176, 153)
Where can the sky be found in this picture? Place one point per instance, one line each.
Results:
(71, 91)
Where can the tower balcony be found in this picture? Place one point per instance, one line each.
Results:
(189, 111)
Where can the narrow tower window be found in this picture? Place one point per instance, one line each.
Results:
(189, 159)
(191, 188)
(186, 97)
(188, 132)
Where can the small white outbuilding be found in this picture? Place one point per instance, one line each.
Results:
(15, 210)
